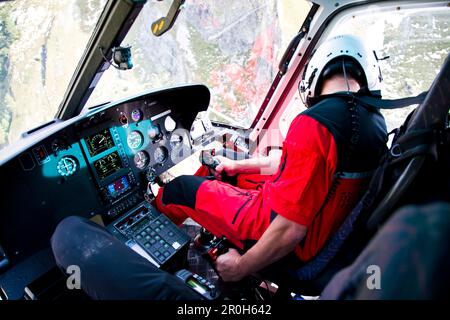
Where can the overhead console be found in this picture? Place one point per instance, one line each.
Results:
(97, 165)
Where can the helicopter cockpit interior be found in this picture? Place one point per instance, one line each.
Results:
(106, 160)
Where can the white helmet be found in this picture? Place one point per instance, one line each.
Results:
(340, 46)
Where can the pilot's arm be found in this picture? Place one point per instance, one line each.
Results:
(260, 165)
(296, 195)
(277, 241)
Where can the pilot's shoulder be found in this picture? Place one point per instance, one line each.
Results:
(306, 131)
(319, 115)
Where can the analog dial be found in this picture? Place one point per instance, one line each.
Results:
(99, 141)
(67, 166)
(136, 115)
(141, 160)
(151, 175)
(161, 154)
(135, 139)
(123, 119)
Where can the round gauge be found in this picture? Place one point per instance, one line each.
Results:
(153, 132)
(98, 141)
(135, 139)
(123, 119)
(175, 141)
(141, 160)
(136, 115)
(151, 175)
(66, 166)
(161, 154)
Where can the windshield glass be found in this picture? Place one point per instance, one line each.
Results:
(41, 43)
(414, 44)
(231, 46)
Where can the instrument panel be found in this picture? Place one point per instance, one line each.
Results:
(99, 164)
(120, 155)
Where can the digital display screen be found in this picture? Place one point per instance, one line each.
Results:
(107, 165)
(117, 187)
(99, 142)
(196, 286)
(132, 218)
(140, 224)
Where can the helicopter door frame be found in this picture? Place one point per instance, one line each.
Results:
(324, 20)
(114, 23)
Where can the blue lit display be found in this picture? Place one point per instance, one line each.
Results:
(118, 187)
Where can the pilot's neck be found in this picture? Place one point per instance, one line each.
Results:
(337, 83)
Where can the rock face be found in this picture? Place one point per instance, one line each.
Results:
(41, 44)
(231, 46)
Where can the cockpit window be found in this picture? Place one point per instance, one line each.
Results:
(410, 41)
(41, 43)
(414, 42)
(232, 46)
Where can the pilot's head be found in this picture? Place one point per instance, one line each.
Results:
(342, 63)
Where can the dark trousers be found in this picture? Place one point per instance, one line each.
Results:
(108, 268)
(411, 251)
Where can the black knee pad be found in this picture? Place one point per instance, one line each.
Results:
(182, 191)
(65, 229)
(70, 236)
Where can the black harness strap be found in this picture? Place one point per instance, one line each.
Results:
(392, 104)
(375, 102)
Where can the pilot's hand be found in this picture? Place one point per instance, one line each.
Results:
(227, 166)
(228, 266)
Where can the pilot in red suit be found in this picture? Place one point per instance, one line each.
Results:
(329, 153)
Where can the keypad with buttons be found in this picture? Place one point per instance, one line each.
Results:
(159, 241)
(159, 237)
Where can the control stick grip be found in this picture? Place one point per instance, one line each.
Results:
(207, 158)
(218, 248)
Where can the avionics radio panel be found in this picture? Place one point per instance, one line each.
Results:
(109, 162)
(151, 234)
